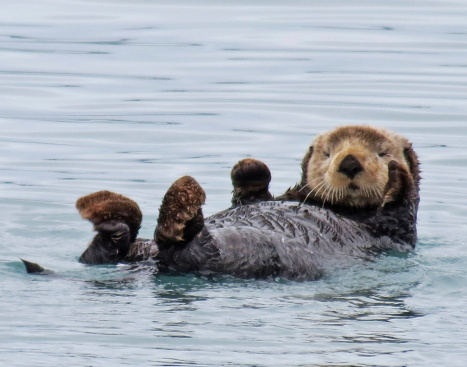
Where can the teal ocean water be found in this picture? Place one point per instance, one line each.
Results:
(130, 95)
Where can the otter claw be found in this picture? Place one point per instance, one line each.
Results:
(180, 215)
(250, 179)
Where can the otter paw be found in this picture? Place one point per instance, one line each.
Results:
(250, 180)
(399, 182)
(105, 206)
(180, 215)
(115, 235)
(110, 244)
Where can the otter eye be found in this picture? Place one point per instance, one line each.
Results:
(326, 155)
(383, 154)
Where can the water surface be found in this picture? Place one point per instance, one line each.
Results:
(130, 95)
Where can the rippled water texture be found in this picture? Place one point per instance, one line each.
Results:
(130, 95)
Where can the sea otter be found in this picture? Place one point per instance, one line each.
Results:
(358, 197)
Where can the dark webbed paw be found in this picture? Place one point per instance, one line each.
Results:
(180, 215)
(109, 245)
(116, 235)
(104, 206)
(116, 219)
(250, 179)
(400, 184)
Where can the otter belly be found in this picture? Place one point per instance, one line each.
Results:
(275, 239)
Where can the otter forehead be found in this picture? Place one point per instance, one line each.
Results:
(376, 139)
(370, 136)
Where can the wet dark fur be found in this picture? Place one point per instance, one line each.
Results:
(275, 239)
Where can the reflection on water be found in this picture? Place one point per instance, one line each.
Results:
(128, 96)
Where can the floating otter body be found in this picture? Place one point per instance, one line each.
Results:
(275, 239)
(358, 197)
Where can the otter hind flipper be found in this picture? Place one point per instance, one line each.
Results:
(33, 268)
(250, 180)
(180, 215)
(116, 219)
(110, 244)
(104, 206)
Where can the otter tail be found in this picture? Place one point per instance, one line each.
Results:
(33, 268)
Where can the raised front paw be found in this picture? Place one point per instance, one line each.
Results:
(180, 215)
(400, 184)
(250, 180)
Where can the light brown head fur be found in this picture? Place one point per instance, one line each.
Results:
(349, 165)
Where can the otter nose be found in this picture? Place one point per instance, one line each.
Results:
(350, 166)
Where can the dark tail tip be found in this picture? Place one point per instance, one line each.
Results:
(33, 268)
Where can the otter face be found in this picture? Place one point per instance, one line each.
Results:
(349, 165)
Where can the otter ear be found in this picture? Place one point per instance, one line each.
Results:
(414, 164)
(305, 161)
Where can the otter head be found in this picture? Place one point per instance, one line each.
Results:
(349, 165)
